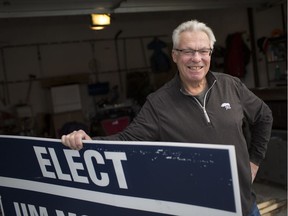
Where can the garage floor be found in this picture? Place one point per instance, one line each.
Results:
(267, 191)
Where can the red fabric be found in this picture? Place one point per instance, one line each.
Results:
(237, 55)
(113, 126)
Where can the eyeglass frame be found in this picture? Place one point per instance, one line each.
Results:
(191, 52)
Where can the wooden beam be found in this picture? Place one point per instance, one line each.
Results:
(271, 205)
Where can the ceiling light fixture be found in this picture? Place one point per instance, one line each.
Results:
(94, 27)
(99, 21)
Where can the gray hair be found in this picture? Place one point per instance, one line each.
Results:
(193, 25)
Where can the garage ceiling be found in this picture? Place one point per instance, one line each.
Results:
(33, 8)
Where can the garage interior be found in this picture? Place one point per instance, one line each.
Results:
(57, 74)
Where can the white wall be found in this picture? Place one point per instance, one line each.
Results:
(58, 59)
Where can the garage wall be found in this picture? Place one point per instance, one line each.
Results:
(62, 46)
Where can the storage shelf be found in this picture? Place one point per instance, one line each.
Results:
(276, 61)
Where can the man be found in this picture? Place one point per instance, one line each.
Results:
(200, 106)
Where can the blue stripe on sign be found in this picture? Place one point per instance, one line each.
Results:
(143, 204)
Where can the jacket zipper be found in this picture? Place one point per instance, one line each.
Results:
(204, 108)
(204, 105)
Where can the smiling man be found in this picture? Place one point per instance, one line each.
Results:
(192, 54)
(201, 106)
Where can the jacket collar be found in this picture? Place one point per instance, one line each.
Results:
(209, 76)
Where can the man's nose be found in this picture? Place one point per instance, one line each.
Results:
(196, 56)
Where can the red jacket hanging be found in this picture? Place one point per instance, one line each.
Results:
(237, 55)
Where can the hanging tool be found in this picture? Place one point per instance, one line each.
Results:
(118, 59)
(31, 78)
(96, 87)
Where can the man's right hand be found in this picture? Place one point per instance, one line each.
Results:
(74, 139)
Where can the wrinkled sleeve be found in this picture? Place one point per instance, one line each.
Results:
(259, 117)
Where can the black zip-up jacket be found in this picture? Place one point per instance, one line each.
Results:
(171, 115)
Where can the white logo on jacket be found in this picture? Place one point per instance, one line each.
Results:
(226, 105)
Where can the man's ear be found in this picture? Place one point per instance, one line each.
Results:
(174, 56)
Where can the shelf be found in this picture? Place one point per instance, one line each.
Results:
(271, 93)
(276, 61)
(279, 82)
(279, 39)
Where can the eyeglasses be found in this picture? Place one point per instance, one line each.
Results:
(192, 52)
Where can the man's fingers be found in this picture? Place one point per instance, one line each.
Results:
(74, 139)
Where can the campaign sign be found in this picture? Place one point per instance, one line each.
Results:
(41, 177)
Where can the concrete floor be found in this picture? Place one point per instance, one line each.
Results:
(267, 191)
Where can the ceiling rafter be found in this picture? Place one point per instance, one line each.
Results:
(32, 8)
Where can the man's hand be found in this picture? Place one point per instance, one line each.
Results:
(254, 170)
(74, 139)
